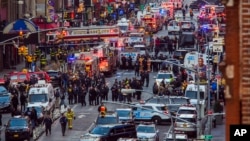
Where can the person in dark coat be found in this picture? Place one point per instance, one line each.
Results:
(47, 122)
(33, 117)
(70, 94)
(147, 78)
(82, 95)
(63, 121)
(14, 101)
(92, 94)
(22, 101)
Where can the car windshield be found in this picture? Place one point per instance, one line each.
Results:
(193, 94)
(124, 28)
(38, 98)
(192, 120)
(145, 129)
(179, 101)
(3, 89)
(121, 113)
(52, 74)
(100, 130)
(107, 120)
(186, 112)
(158, 100)
(164, 75)
(17, 122)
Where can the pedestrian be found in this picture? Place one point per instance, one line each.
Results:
(137, 68)
(114, 90)
(33, 117)
(63, 121)
(75, 94)
(92, 94)
(57, 96)
(14, 102)
(97, 96)
(23, 101)
(82, 95)
(62, 96)
(147, 78)
(47, 122)
(70, 94)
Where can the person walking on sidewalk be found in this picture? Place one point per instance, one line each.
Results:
(63, 121)
(47, 122)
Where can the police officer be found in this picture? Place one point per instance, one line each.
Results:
(53, 55)
(37, 53)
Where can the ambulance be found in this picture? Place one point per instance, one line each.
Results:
(42, 94)
(191, 59)
(192, 93)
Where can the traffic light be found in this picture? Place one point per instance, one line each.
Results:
(25, 50)
(20, 50)
(21, 34)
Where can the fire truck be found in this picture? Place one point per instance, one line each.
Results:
(107, 58)
(152, 22)
(84, 35)
(87, 62)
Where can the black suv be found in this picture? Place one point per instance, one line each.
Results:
(111, 132)
(18, 128)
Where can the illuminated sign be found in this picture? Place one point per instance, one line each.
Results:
(95, 31)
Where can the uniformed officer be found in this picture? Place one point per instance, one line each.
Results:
(53, 55)
(37, 53)
(43, 62)
(70, 116)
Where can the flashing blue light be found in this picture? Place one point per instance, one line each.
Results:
(162, 11)
(121, 12)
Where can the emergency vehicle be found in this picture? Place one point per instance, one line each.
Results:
(191, 59)
(177, 3)
(192, 93)
(129, 51)
(89, 62)
(107, 58)
(42, 94)
(152, 22)
(108, 34)
(134, 38)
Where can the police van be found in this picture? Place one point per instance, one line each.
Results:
(42, 94)
(191, 59)
(192, 93)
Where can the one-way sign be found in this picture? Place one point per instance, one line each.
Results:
(217, 47)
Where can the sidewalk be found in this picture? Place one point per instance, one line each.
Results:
(218, 133)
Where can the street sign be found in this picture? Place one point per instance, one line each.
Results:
(208, 137)
(217, 47)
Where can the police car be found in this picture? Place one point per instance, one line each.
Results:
(186, 123)
(166, 75)
(147, 131)
(156, 113)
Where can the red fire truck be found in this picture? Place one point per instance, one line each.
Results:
(152, 22)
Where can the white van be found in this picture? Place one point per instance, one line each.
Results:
(192, 93)
(191, 59)
(42, 94)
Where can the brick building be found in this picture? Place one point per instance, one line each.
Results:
(237, 64)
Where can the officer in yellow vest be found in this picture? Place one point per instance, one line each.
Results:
(53, 55)
(43, 62)
(29, 60)
(38, 53)
(70, 116)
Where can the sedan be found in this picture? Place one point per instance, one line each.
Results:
(147, 132)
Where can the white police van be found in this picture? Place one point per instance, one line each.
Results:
(156, 113)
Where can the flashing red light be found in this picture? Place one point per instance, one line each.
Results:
(72, 15)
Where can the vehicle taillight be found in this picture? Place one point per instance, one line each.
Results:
(142, 102)
(166, 112)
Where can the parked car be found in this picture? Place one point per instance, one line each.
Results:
(18, 128)
(125, 115)
(148, 132)
(109, 118)
(5, 100)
